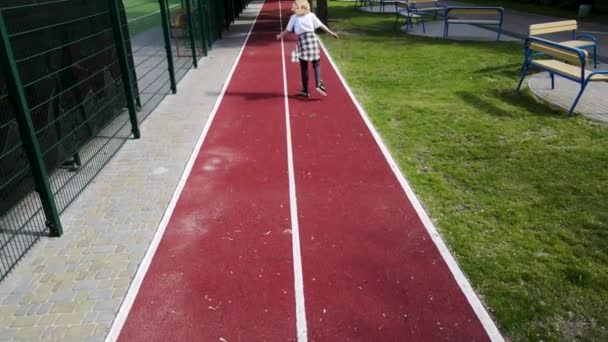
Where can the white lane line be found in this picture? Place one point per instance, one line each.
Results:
(459, 276)
(298, 278)
(137, 281)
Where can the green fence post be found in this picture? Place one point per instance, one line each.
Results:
(164, 14)
(121, 51)
(23, 116)
(191, 32)
(209, 41)
(219, 13)
(228, 13)
(202, 26)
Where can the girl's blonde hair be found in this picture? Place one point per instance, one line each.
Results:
(302, 7)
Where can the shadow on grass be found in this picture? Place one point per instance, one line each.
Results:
(512, 70)
(522, 100)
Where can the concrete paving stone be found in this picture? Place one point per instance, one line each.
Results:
(72, 268)
(43, 308)
(119, 293)
(101, 294)
(85, 306)
(122, 282)
(49, 319)
(104, 316)
(69, 318)
(99, 247)
(90, 317)
(59, 333)
(30, 333)
(46, 278)
(106, 284)
(63, 308)
(103, 274)
(33, 309)
(107, 305)
(37, 260)
(6, 316)
(102, 328)
(47, 333)
(13, 298)
(94, 339)
(8, 334)
(79, 333)
(63, 296)
(86, 284)
(24, 321)
(23, 310)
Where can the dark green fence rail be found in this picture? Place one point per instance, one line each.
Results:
(77, 78)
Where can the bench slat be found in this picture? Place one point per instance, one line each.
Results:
(578, 43)
(474, 11)
(475, 21)
(557, 26)
(561, 54)
(551, 30)
(567, 69)
(428, 9)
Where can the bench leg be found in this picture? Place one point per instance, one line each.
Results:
(498, 35)
(578, 97)
(445, 30)
(423, 28)
(524, 71)
(595, 56)
(552, 80)
(408, 22)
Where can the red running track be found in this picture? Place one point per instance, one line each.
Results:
(224, 268)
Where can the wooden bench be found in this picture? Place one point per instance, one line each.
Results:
(582, 41)
(558, 59)
(415, 9)
(473, 15)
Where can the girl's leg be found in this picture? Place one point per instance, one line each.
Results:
(317, 67)
(320, 87)
(304, 72)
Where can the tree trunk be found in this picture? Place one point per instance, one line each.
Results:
(322, 11)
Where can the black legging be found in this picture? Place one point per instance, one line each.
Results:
(304, 72)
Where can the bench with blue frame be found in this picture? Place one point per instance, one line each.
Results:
(558, 59)
(415, 9)
(581, 41)
(473, 15)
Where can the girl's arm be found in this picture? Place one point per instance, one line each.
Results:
(326, 29)
(282, 34)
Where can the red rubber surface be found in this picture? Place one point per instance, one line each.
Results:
(224, 266)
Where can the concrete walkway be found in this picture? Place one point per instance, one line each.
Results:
(70, 288)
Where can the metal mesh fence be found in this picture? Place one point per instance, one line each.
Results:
(65, 57)
(69, 65)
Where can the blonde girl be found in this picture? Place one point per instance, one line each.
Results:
(304, 23)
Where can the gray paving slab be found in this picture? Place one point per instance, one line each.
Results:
(70, 288)
(434, 29)
(593, 103)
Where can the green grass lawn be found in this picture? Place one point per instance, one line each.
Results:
(518, 190)
(144, 14)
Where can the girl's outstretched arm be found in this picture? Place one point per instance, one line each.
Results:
(326, 29)
(282, 34)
